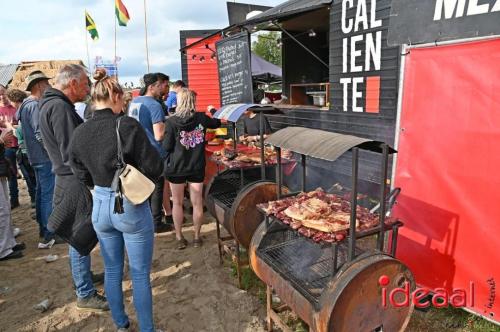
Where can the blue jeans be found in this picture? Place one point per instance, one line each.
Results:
(80, 271)
(45, 181)
(80, 265)
(28, 174)
(134, 231)
(10, 155)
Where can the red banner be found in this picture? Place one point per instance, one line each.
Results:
(448, 168)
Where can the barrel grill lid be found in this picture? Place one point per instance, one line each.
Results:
(233, 112)
(321, 144)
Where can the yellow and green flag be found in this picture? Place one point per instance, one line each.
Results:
(91, 28)
(121, 13)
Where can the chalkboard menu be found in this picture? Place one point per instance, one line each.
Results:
(235, 74)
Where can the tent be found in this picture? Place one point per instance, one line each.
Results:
(264, 71)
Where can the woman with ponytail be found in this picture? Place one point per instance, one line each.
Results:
(94, 159)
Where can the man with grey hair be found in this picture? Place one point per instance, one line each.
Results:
(58, 120)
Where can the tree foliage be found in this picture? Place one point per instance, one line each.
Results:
(267, 46)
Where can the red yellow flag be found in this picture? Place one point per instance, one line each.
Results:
(121, 13)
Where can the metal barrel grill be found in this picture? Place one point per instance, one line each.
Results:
(231, 196)
(337, 286)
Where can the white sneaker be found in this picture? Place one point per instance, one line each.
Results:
(16, 231)
(51, 258)
(46, 245)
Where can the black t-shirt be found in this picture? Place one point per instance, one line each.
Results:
(251, 125)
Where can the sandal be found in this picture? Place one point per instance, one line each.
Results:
(197, 242)
(182, 244)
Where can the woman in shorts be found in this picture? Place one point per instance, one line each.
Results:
(185, 143)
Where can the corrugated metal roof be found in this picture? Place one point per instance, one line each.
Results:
(288, 8)
(6, 73)
(320, 144)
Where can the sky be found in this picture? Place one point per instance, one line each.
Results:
(55, 30)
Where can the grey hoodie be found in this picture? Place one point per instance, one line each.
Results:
(58, 120)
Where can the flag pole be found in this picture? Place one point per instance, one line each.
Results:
(116, 63)
(87, 44)
(146, 34)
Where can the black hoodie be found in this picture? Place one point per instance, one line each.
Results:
(185, 143)
(58, 120)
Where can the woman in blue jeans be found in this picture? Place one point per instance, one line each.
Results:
(94, 161)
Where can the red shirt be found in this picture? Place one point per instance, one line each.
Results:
(9, 112)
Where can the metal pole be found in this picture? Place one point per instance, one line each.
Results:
(335, 253)
(303, 162)
(301, 45)
(278, 169)
(146, 34)
(262, 156)
(87, 45)
(235, 136)
(354, 204)
(116, 64)
(383, 194)
(395, 229)
(399, 110)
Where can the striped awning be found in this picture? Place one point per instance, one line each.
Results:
(233, 112)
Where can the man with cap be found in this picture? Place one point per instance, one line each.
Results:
(7, 113)
(29, 115)
(147, 110)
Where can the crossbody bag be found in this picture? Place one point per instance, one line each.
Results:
(128, 180)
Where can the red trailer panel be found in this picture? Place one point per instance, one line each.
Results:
(447, 166)
(203, 76)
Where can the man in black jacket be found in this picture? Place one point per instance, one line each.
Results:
(58, 120)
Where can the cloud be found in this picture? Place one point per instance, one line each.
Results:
(54, 30)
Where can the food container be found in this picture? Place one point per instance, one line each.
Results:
(319, 100)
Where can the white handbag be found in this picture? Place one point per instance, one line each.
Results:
(135, 186)
(129, 181)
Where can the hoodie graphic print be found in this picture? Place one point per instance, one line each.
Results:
(190, 139)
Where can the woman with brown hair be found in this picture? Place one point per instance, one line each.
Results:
(185, 143)
(94, 159)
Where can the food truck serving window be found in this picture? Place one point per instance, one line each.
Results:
(305, 71)
(351, 37)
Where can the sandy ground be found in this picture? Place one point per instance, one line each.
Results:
(191, 291)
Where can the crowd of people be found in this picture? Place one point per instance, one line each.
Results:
(61, 148)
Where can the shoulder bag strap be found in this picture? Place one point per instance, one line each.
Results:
(121, 162)
(115, 185)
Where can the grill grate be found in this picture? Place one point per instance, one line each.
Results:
(310, 271)
(232, 181)
(226, 198)
(228, 184)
